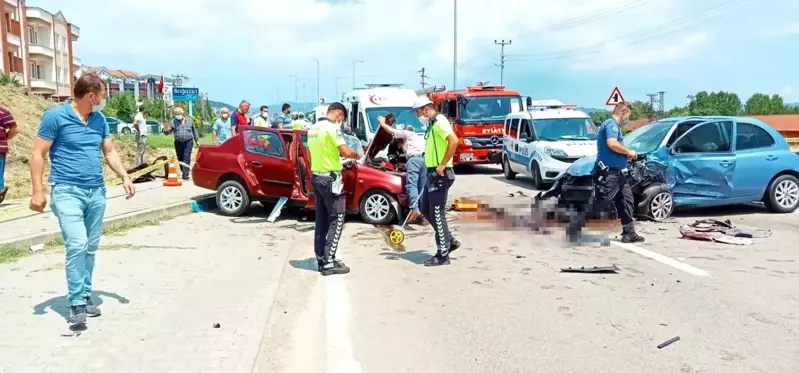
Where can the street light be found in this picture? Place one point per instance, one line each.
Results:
(455, 44)
(337, 97)
(317, 79)
(353, 72)
(295, 86)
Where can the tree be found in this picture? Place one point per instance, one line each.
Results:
(154, 109)
(642, 110)
(121, 106)
(600, 116)
(758, 104)
(715, 103)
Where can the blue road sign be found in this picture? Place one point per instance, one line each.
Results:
(185, 94)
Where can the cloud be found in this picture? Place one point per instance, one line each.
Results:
(663, 54)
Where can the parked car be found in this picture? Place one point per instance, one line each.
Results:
(119, 126)
(705, 161)
(264, 164)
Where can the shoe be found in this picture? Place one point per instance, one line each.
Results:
(414, 216)
(631, 238)
(91, 309)
(454, 245)
(437, 260)
(77, 315)
(3, 194)
(339, 262)
(334, 268)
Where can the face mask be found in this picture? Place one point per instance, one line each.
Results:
(224, 116)
(424, 121)
(179, 117)
(625, 122)
(98, 107)
(265, 114)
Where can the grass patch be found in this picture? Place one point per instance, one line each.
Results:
(10, 254)
(157, 141)
(120, 230)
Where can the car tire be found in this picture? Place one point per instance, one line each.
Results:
(372, 207)
(126, 131)
(657, 203)
(782, 194)
(232, 198)
(509, 174)
(538, 182)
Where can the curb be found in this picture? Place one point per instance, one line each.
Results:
(197, 204)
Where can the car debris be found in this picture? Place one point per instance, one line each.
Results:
(599, 270)
(670, 341)
(217, 326)
(722, 231)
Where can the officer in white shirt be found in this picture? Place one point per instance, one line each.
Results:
(416, 176)
(140, 126)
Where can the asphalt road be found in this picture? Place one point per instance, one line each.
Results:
(504, 306)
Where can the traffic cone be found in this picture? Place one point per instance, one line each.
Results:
(172, 176)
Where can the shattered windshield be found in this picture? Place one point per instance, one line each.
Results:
(647, 138)
(489, 109)
(565, 129)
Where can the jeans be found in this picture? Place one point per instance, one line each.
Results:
(141, 145)
(183, 151)
(80, 214)
(2, 171)
(415, 181)
(330, 209)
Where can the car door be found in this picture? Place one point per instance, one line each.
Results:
(524, 144)
(513, 143)
(702, 164)
(266, 158)
(757, 157)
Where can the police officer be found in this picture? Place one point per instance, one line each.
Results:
(327, 145)
(440, 146)
(610, 178)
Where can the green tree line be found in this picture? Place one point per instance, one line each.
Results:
(123, 107)
(710, 103)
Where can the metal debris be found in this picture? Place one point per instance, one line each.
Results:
(605, 269)
(217, 326)
(670, 341)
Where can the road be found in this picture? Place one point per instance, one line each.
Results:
(502, 306)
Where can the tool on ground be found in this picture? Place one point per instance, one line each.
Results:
(670, 341)
(397, 235)
(172, 176)
(276, 211)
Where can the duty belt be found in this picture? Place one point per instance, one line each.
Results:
(415, 155)
(322, 173)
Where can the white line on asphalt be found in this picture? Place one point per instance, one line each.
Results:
(662, 258)
(339, 354)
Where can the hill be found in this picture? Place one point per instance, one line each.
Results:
(28, 112)
(794, 105)
(216, 105)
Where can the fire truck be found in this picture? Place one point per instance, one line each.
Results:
(477, 115)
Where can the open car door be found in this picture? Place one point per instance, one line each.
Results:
(267, 160)
(702, 163)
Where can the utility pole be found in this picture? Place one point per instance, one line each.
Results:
(179, 79)
(455, 44)
(317, 79)
(661, 105)
(295, 87)
(502, 56)
(423, 76)
(656, 101)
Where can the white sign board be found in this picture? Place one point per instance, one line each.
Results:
(615, 97)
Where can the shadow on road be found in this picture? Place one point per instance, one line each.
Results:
(60, 305)
(415, 257)
(308, 264)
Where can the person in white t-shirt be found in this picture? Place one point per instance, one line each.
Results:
(416, 176)
(140, 126)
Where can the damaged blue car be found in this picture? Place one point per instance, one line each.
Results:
(697, 162)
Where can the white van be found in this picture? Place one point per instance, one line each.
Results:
(318, 112)
(376, 100)
(545, 140)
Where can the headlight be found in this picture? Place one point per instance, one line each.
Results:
(466, 142)
(554, 152)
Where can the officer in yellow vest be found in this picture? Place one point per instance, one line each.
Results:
(326, 145)
(440, 147)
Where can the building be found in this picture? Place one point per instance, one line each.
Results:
(37, 49)
(142, 87)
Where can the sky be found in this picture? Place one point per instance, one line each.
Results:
(576, 51)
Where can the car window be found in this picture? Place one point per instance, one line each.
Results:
(264, 143)
(524, 127)
(705, 138)
(681, 129)
(514, 128)
(750, 136)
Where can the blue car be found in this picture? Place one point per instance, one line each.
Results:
(698, 162)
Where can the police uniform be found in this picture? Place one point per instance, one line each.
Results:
(324, 138)
(610, 184)
(434, 199)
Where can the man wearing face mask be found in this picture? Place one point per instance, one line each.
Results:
(263, 119)
(221, 129)
(327, 145)
(185, 138)
(610, 178)
(75, 134)
(439, 149)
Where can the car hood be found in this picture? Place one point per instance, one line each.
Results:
(381, 141)
(582, 166)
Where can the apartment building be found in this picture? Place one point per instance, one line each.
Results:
(142, 87)
(37, 49)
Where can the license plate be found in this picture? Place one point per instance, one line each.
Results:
(467, 157)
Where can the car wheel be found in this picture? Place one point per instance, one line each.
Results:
(783, 194)
(126, 131)
(657, 203)
(377, 208)
(509, 174)
(232, 198)
(538, 182)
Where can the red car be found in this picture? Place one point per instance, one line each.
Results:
(264, 164)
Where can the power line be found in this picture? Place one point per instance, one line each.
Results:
(593, 16)
(501, 64)
(423, 76)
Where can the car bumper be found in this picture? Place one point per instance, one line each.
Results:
(552, 169)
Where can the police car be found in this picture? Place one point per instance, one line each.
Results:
(544, 140)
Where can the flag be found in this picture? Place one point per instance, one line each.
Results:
(161, 85)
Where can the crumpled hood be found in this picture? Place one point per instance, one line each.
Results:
(582, 166)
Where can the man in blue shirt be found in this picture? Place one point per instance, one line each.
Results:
(610, 178)
(75, 134)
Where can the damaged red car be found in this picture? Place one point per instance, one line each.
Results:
(264, 164)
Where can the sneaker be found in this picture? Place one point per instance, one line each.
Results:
(77, 315)
(3, 194)
(91, 309)
(415, 216)
(334, 268)
(454, 245)
(631, 238)
(437, 260)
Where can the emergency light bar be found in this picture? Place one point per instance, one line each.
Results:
(549, 105)
(485, 88)
(383, 85)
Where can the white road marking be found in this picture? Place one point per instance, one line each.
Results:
(339, 354)
(662, 258)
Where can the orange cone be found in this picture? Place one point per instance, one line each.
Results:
(172, 177)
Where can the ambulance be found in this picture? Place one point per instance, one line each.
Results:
(376, 100)
(545, 140)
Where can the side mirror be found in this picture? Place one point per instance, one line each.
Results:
(673, 151)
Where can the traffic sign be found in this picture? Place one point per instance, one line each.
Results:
(615, 97)
(185, 94)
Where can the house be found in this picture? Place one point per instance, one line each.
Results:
(37, 48)
(142, 87)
